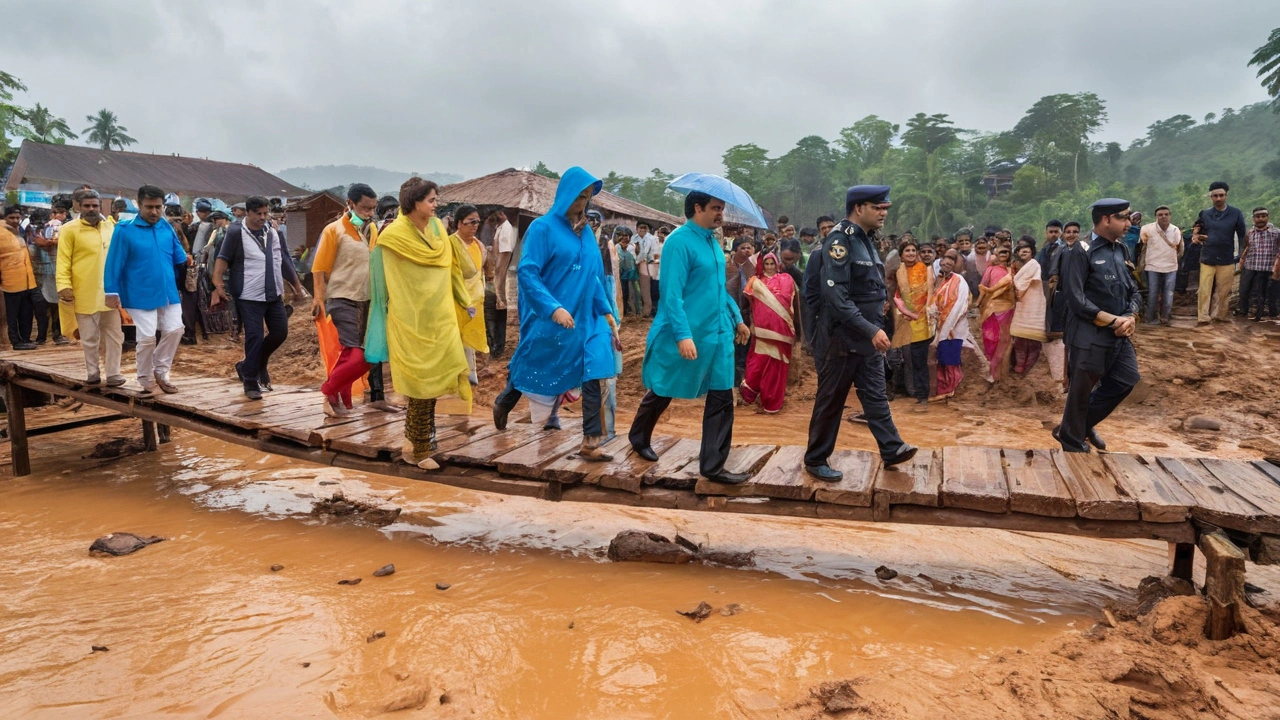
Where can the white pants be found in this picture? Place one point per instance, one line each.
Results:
(1057, 354)
(155, 358)
(95, 329)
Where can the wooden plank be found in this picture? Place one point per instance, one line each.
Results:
(1215, 503)
(531, 460)
(1271, 470)
(323, 435)
(1095, 490)
(571, 469)
(1223, 585)
(973, 479)
(627, 472)
(1160, 497)
(1248, 482)
(672, 469)
(743, 459)
(1182, 532)
(15, 404)
(855, 488)
(782, 477)
(482, 451)
(1035, 487)
(917, 482)
(371, 441)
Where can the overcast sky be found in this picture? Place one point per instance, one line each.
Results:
(474, 86)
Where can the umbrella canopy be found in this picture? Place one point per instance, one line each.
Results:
(739, 207)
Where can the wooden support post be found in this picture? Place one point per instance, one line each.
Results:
(1181, 560)
(14, 399)
(162, 432)
(1223, 585)
(149, 436)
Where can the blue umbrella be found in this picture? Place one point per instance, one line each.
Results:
(739, 207)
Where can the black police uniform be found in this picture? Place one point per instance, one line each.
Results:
(845, 293)
(1103, 367)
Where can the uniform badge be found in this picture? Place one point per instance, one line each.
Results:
(831, 283)
(838, 252)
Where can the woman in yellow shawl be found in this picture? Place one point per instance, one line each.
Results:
(912, 321)
(465, 241)
(415, 279)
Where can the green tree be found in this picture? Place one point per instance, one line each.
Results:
(105, 131)
(866, 141)
(11, 116)
(1055, 132)
(930, 193)
(542, 169)
(653, 192)
(802, 180)
(930, 132)
(43, 126)
(746, 166)
(1210, 117)
(1267, 59)
(1170, 128)
(1113, 153)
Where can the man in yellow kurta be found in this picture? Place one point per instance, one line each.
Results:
(82, 253)
(415, 282)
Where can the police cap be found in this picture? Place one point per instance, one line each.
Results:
(865, 193)
(1110, 206)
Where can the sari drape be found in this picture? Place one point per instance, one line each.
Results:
(996, 301)
(774, 335)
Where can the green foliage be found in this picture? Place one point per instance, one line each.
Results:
(43, 126)
(1171, 128)
(105, 131)
(11, 116)
(930, 132)
(542, 169)
(1267, 59)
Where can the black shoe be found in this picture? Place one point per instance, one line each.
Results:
(253, 393)
(1092, 437)
(906, 453)
(239, 375)
(647, 453)
(61, 340)
(187, 341)
(1057, 435)
(552, 424)
(825, 473)
(500, 413)
(25, 346)
(724, 478)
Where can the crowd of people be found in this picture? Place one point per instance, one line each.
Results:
(732, 310)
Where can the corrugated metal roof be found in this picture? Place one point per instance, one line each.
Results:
(534, 193)
(114, 171)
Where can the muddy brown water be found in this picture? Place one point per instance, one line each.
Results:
(535, 622)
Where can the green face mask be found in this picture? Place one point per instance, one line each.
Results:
(356, 220)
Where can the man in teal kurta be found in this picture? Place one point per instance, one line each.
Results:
(689, 352)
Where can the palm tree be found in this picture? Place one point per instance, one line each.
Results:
(1267, 60)
(104, 132)
(44, 127)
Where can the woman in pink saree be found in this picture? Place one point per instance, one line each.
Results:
(996, 300)
(772, 296)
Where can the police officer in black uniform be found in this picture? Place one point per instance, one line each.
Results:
(1102, 307)
(845, 294)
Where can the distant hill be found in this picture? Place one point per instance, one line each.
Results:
(1230, 147)
(320, 177)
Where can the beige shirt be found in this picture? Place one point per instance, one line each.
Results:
(344, 254)
(1162, 247)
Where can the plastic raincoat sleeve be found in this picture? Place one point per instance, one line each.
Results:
(533, 293)
(671, 286)
(602, 302)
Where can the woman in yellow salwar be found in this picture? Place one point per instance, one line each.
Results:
(416, 284)
(467, 244)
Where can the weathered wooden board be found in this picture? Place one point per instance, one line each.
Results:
(1096, 493)
(1160, 497)
(372, 441)
(782, 477)
(571, 469)
(973, 479)
(743, 459)
(532, 460)
(917, 482)
(855, 488)
(672, 469)
(1270, 469)
(1035, 487)
(327, 433)
(627, 471)
(482, 451)
(1251, 484)
(1215, 502)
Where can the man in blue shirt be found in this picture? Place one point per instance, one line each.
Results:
(139, 276)
(1224, 231)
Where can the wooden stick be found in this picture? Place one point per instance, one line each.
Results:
(1223, 585)
(21, 458)
(149, 436)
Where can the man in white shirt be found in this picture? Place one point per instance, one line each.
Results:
(645, 244)
(1163, 241)
(504, 243)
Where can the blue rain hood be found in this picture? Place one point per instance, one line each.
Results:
(562, 269)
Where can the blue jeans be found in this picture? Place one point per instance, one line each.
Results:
(1160, 294)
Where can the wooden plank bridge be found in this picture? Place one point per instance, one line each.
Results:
(1104, 495)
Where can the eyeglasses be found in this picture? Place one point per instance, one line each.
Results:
(1123, 215)
(470, 222)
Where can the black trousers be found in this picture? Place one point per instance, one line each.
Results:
(717, 428)
(592, 402)
(920, 369)
(1254, 282)
(653, 294)
(495, 325)
(258, 347)
(18, 314)
(46, 314)
(1101, 378)
(836, 374)
(740, 363)
(191, 317)
(377, 389)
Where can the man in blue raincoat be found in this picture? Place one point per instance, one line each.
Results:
(689, 352)
(567, 329)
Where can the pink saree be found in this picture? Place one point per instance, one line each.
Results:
(774, 334)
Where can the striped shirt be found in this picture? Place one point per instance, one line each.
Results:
(1263, 248)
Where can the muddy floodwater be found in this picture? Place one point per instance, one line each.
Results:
(534, 623)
